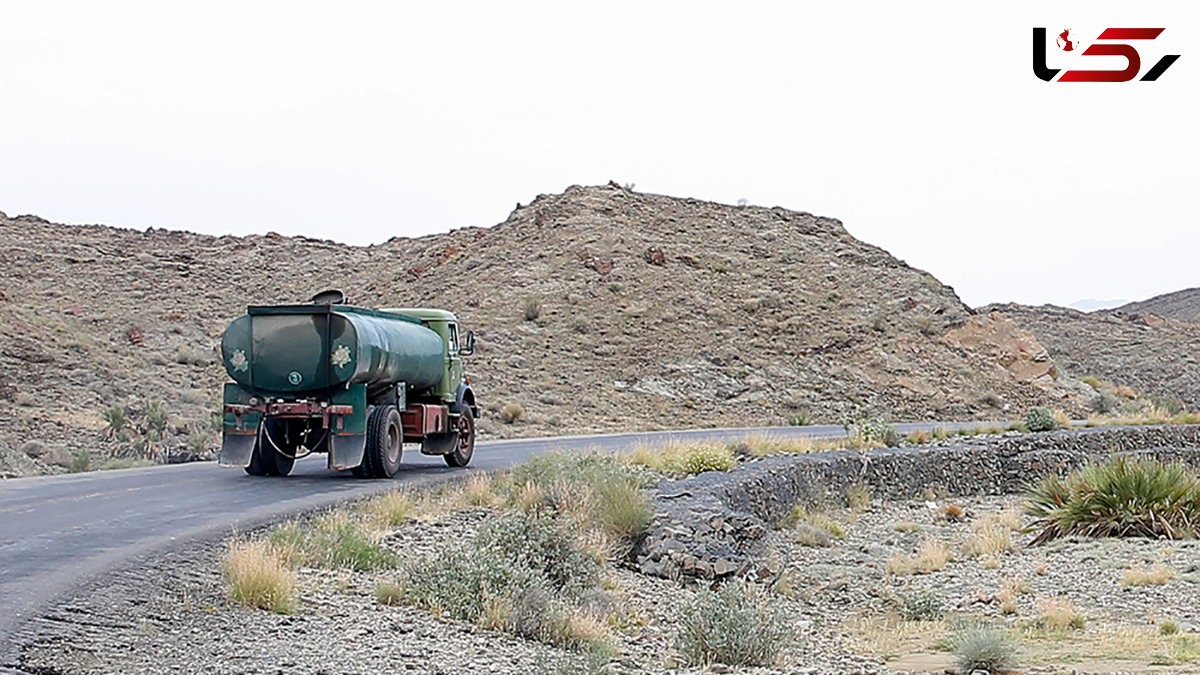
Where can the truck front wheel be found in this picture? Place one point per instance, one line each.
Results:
(464, 445)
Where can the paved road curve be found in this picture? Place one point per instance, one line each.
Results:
(56, 532)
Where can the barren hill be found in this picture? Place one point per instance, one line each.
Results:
(1181, 305)
(598, 309)
(1153, 355)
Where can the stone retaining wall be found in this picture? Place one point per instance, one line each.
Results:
(718, 524)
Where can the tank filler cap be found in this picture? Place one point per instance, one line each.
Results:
(330, 297)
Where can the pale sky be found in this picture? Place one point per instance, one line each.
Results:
(920, 125)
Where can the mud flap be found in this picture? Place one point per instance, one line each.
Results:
(236, 449)
(346, 450)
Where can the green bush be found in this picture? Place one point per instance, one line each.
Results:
(114, 416)
(1122, 497)
(339, 542)
(925, 606)
(869, 428)
(525, 574)
(736, 625)
(603, 493)
(697, 459)
(1040, 419)
(80, 461)
(543, 543)
(1105, 403)
(983, 648)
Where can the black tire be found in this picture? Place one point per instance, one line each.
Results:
(385, 443)
(464, 446)
(266, 460)
(257, 467)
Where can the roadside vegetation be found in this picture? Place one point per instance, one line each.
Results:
(1121, 497)
(548, 541)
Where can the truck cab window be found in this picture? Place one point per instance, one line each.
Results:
(453, 338)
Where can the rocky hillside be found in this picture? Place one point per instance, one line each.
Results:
(1181, 305)
(598, 309)
(1151, 354)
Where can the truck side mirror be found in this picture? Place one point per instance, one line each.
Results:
(468, 347)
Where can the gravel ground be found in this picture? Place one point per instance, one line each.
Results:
(170, 615)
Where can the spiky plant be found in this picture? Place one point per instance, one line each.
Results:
(1122, 497)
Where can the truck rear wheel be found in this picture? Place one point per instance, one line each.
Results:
(464, 445)
(266, 460)
(385, 444)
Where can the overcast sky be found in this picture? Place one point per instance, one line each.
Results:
(920, 125)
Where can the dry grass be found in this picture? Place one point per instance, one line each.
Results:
(858, 498)
(1009, 592)
(511, 412)
(890, 636)
(1155, 575)
(683, 458)
(480, 490)
(813, 528)
(991, 535)
(931, 556)
(951, 512)
(389, 593)
(1061, 418)
(1058, 614)
(917, 437)
(1134, 646)
(392, 508)
(259, 576)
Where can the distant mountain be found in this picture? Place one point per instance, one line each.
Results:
(1181, 305)
(1152, 354)
(1091, 304)
(598, 309)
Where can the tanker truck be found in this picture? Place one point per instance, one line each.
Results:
(352, 382)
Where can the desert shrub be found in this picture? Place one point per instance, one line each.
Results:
(800, 419)
(1122, 497)
(931, 556)
(1105, 403)
(1040, 419)
(511, 412)
(543, 543)
(983, 648)
(522, 574)
(603, 494)
(196, 442)
(531, 308)
(337, 541)
(389, 593)
(689, 458)
(922, 606)
(868, 429)
(735, 625)
(259, 577)
(115, 418)
(80, 461)
(156, 416)
(858, 498)
(392, 508)
(812, 528)
(992, 534)
(1168, 627)
(1058, 614)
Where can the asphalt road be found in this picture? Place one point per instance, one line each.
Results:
(59, 532)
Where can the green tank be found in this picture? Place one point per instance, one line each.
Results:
(352, 382)
(297, 349)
